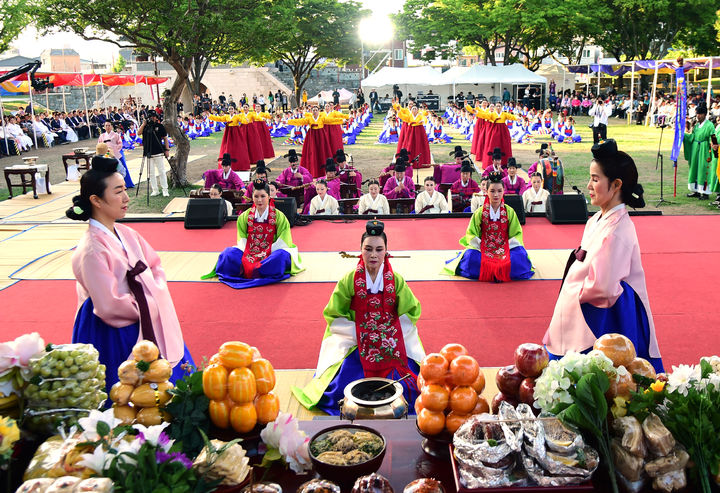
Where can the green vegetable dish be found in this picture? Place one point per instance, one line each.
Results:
(345, 448)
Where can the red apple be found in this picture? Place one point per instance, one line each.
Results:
(527, 389)
(499, 397)
(531, 359)
(508, 380)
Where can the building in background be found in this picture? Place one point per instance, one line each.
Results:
(60, 60)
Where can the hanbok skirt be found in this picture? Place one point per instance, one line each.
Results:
(128, 180)
(234, 142)
(386, 137)
(273, 269)
(254, 143)
(351, 370)
(316, 149)
(335, 135)
(497, 135)
(520, 265)
(265, 139)
(416, 142)
(478, 138)
(627, 317)
(114, 344)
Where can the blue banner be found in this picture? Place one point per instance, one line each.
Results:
(680, 114)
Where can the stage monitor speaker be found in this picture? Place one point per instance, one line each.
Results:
(288, 206)
(516, 202)
(205, 213)
(566, 209)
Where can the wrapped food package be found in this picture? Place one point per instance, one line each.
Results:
(99, 485)
(660, 440)
(318, 486)
(67, 382)
(65, 484)
(372, 483)
(424, 485)
(38, 485)
(58, 457)
(231, 466)
(633, 438)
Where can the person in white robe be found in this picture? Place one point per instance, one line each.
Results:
(535, 197)
(373, 202)
(323, 203)
(430, 201)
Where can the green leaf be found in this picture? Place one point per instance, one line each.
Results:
(103, 429)
(142, 366)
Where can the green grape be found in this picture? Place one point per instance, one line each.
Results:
(45, 372)
(69, 361)
(73, 369)
(87, 366)
(65, 373)
(76, 392)
(59, 364)
(80, 359)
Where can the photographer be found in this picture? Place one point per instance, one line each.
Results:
(600, 111)
(156, 150)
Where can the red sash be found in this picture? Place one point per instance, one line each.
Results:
(380, 340)
(259, 241)
(494, 245)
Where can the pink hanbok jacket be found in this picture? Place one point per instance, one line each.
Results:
(287, 177)
(613, 255)
(100, 265)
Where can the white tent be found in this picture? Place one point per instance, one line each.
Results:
(502, 74)
(416, 76)
(345, 97)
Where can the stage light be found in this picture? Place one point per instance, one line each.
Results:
(376, 30)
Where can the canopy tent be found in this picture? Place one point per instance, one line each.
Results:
(500, 74)
(417, 76)
(21, 82)
(345, 97)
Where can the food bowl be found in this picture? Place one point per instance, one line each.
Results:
(30, 160)
(80, 150)
(347, 474)
(436, 445)
(363, 400)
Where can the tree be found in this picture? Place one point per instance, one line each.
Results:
(119, 64)
(13, 19)
(176, 30)
(309, 33)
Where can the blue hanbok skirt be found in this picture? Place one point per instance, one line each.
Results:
(627, 317)
(128, 180)
(273, 269)
(351, 370)
(114, 344)
(520, 265)
(386, 137)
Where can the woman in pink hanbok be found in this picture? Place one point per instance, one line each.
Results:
(604, 290)
(122, 291)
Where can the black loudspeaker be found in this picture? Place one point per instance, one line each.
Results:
(516, 202)
(205, 213)
(288, 206)
(566, 209)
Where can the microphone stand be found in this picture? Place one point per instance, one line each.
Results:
(659, 161)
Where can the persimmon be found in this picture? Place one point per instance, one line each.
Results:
(453, 421)
(434, 367)
(464, 370)
(479, 383)
(463, 400)
(431, 422)
(452, 351)
(418, 405)
(482, 406)
(435, 397)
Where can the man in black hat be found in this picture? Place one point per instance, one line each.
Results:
(294, 175)
(347, 173)
(261, 173)
(399, 186)
(697, 146)
(496, 165)
(156, 150)
(464, 188)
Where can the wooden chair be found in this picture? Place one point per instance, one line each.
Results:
(401, 206)
(443, 188)
(346, 205)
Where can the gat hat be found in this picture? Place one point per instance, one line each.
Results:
(292, 156)
(401, 165)
(340, 156)
(466, 167)
(403, 154)
(513, 163)
(496, 153)
(330, 165)
(227, 160)
(458, 152)
(605, 149)
(261, 168)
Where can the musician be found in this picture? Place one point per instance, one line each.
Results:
(514, 184)
(265, 252)
(216, 193)
(332, 183)
(371, 329)
(478, 199)
(399, 186)
(493, 242)
(347, 173)
(696, 145)
(261, 172)
(450, 172)
(323, 203)
(294, 175)
(430, 201)
(373, 202)
(496, 165)
(535, 197)
(463, 189)
(226, 178)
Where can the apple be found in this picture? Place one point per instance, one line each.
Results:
(508, 380)
(499, 397)
(531, 359)
(527, 391)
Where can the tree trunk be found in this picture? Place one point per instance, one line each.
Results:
(182, 143)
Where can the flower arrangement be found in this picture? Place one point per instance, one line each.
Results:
(15, 360)
(9, 434)
(689, 406)
(287, 443)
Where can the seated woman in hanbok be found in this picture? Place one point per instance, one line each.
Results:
(265, 252)
(569, 135)
(390, 133)
(371, 329)
(514, 184)
(122, 290)
(323, 203)
(216, 193)
(522, 133)
(437, 135)
(493, 242)
(535, 197)
(604, 287)
(192, 132)
(478, 199)
(373, 202)
(430, 201)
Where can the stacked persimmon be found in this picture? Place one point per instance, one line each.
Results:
(450, 384)
(238, 382)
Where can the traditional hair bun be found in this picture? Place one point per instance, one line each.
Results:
(104, 164)
(374, 228)
(259, 184)
(495, 177)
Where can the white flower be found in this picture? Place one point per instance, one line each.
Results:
(152, 435)
(89, 424)
(714, 362)
(126, 447)
(681, 378)
(98, 461)
(285, 435)
(27, 346)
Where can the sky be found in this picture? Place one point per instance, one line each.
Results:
(29, 44)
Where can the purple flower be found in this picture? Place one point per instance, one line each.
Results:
(161, 457)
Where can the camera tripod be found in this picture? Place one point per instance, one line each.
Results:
(173, 170)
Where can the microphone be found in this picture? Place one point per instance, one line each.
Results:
(577, 190)
(416, 158)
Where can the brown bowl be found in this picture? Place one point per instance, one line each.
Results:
(347, 474)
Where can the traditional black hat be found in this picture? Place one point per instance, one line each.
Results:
(466, 167)
(403, 154)
(340, 156)
(374, 227)
(543, 147)
(227, 160)
(104, 164)
(261, 168)
(513, 163)
(292, 156)
(400, 165)
(458, 152)
(605, 149)
(496, 153)
(701, 109)
(330, 165)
